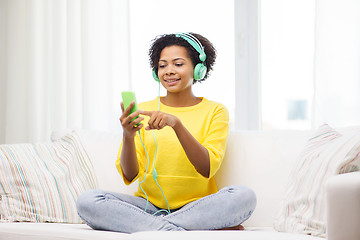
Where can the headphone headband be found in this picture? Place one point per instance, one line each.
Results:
(193, 41)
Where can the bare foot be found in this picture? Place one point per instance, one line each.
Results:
(238, 227)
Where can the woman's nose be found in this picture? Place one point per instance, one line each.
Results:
(170, 70)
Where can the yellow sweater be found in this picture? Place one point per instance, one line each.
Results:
(208, 122)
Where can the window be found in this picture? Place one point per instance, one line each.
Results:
(287, 60)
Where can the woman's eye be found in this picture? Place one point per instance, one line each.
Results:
(161, 66)
(179, 64)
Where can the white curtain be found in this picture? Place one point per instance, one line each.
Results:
(337, 63)
(62, 65)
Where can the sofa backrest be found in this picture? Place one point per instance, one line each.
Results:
(259, 159)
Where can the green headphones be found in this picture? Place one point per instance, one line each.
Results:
(200, 69)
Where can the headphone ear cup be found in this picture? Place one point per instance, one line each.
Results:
(156, 78)
(199, 71)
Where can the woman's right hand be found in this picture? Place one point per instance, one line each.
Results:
(129, 127)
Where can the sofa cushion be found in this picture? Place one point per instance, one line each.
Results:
(41, 182)
(326, 154)
(102, 148)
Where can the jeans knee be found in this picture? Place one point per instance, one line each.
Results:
(244, 195)
(85, 201)
(251, 196)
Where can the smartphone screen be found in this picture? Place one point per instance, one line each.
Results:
(128, 97)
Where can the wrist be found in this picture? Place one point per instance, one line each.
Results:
(129, 137)
(177, 124)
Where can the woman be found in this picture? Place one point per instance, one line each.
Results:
(175, 156)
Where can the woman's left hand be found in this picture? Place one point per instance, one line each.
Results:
(158, 120)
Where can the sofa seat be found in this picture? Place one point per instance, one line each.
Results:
(54, 231)
(57, 231)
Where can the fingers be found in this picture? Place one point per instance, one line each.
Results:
(158, 120)
(131, 119)
(130, 122)
(147, 113)
(158, 125)
(151, 121)
(122, 107)
(154, 122)
(131, 125)
(128, 109)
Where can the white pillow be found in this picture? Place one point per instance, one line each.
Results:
(41, 182)
(103, 148)
(326, 154)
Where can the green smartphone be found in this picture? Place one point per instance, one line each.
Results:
(127, 98)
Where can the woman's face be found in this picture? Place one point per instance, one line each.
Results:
(176, 69)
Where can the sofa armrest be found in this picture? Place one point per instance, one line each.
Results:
(343, 207)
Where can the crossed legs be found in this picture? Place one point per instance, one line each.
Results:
(123, 213)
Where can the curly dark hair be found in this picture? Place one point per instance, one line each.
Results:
(166, 40)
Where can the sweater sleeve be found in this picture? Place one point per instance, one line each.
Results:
(216, 138)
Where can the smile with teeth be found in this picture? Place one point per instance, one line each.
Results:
(173, 80)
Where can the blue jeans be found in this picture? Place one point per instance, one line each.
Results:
(118, 212)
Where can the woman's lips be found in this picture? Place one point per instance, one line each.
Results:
(171, 82)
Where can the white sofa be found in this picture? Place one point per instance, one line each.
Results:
(261, 160)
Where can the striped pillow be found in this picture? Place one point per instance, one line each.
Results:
(41, 182)
(326, 154)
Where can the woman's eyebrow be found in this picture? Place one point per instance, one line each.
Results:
(179, 58)
(175, 59)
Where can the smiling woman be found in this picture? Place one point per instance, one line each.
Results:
(182, 144)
